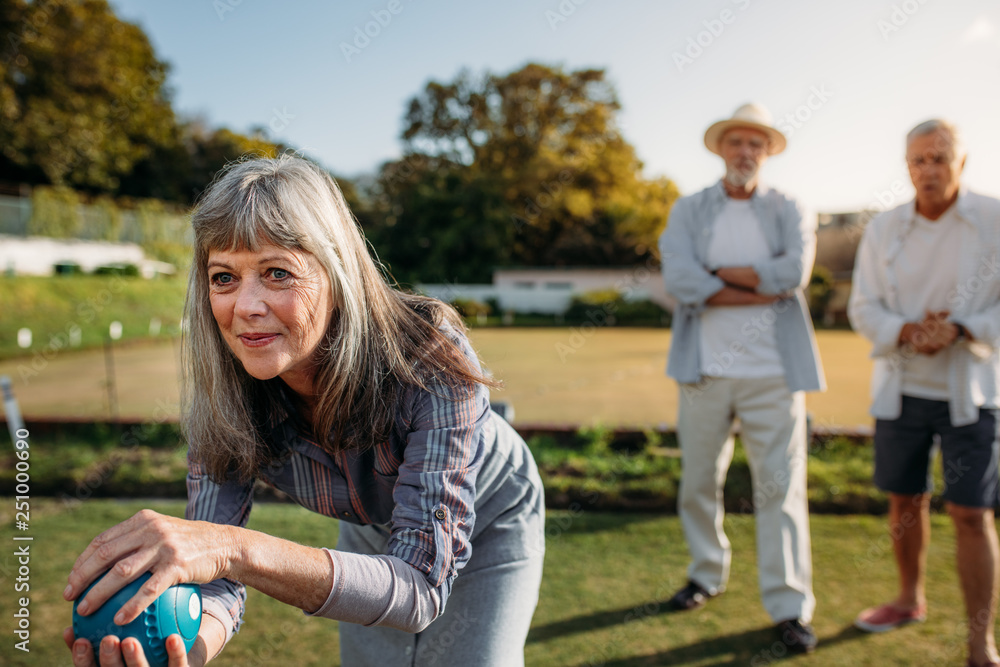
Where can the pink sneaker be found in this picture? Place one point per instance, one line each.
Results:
(888, 617)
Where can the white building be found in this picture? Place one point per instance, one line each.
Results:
(38, 256)
(550, 290)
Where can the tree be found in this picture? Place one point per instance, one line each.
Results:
(432, 220)
(82, 94)
(542, 148)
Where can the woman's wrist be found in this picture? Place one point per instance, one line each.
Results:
(234, 553)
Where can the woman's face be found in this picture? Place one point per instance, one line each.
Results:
(273, 308)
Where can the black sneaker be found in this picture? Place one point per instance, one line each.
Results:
(797, 636)
(690, 597)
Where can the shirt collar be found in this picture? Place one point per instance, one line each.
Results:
(720, 191)
(963, 207)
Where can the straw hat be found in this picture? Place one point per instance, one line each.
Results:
(750, 115)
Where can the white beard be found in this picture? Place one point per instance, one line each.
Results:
(738, 178)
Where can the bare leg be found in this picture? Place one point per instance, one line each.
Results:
(910, 528)
(977, 555)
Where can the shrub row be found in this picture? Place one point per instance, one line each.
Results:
(592, 469)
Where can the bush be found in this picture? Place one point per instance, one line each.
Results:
(644, 313)
(126, 270)
(609, 308)
(597, 307)
(819, 291)
(471, 308)
(55, 212)
(67, 269)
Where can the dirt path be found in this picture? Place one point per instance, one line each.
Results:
(575, 376)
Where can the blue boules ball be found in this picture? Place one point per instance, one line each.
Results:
(176, 611)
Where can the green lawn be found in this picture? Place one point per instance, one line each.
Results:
(571, 376)
(606, 577)
(52, 308)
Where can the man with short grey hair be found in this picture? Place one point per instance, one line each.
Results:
(926, 293)
(736, 256)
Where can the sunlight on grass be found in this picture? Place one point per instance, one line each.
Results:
(602, 600)
(608, 376)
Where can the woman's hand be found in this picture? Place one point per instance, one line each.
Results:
(128, 652)
(175, 551)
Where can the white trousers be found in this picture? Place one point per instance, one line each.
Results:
(773, 432)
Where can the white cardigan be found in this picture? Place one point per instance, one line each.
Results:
(975, 302)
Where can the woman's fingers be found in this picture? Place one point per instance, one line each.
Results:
(109, 548)
(120, 575)
(83, 654)
(132, 651)
(110, 652)
(102, 547)
(151, 589)
(176, 652)
(122, 653)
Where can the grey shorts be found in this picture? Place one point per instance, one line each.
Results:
(969, 454)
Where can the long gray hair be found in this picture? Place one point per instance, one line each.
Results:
(380, 341)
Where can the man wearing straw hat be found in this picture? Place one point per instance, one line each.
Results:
(736, 257)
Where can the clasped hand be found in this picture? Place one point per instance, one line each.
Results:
(930, 335)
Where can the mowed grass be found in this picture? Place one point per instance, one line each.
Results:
(576, 376)
(602, 599)
(53, 307)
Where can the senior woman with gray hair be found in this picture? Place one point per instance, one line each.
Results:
(305, 369)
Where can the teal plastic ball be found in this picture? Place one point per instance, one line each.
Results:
(176, 611)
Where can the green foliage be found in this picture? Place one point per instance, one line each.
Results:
(82, 94)
(527, 168)
(55, 212)
(52, 307)
(608, 307)
(597, 307)
(604, 472)
(596, 465)
(84, 102)
(642, 313)
(124, 270)
(67, 269)
(471, 308)
(819, 292)
(172, 252)
(109, 215)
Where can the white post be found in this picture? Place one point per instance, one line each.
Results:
(14, 421)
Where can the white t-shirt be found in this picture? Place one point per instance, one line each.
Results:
(738, 341)
(926, 271)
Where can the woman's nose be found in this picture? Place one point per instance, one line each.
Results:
(250, 300)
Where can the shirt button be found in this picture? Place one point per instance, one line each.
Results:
(440, 514)
(345, 514)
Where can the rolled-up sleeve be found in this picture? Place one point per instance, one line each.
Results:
(435, 493)
(684, 277)
(793, 268)
(229, 504)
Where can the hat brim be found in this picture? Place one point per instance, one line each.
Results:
(714, 134)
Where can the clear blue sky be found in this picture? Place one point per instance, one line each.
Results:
(880, 67)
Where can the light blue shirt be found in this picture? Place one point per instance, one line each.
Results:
(791, 239)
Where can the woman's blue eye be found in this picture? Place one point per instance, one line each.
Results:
(279, 274)
(222, 278)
